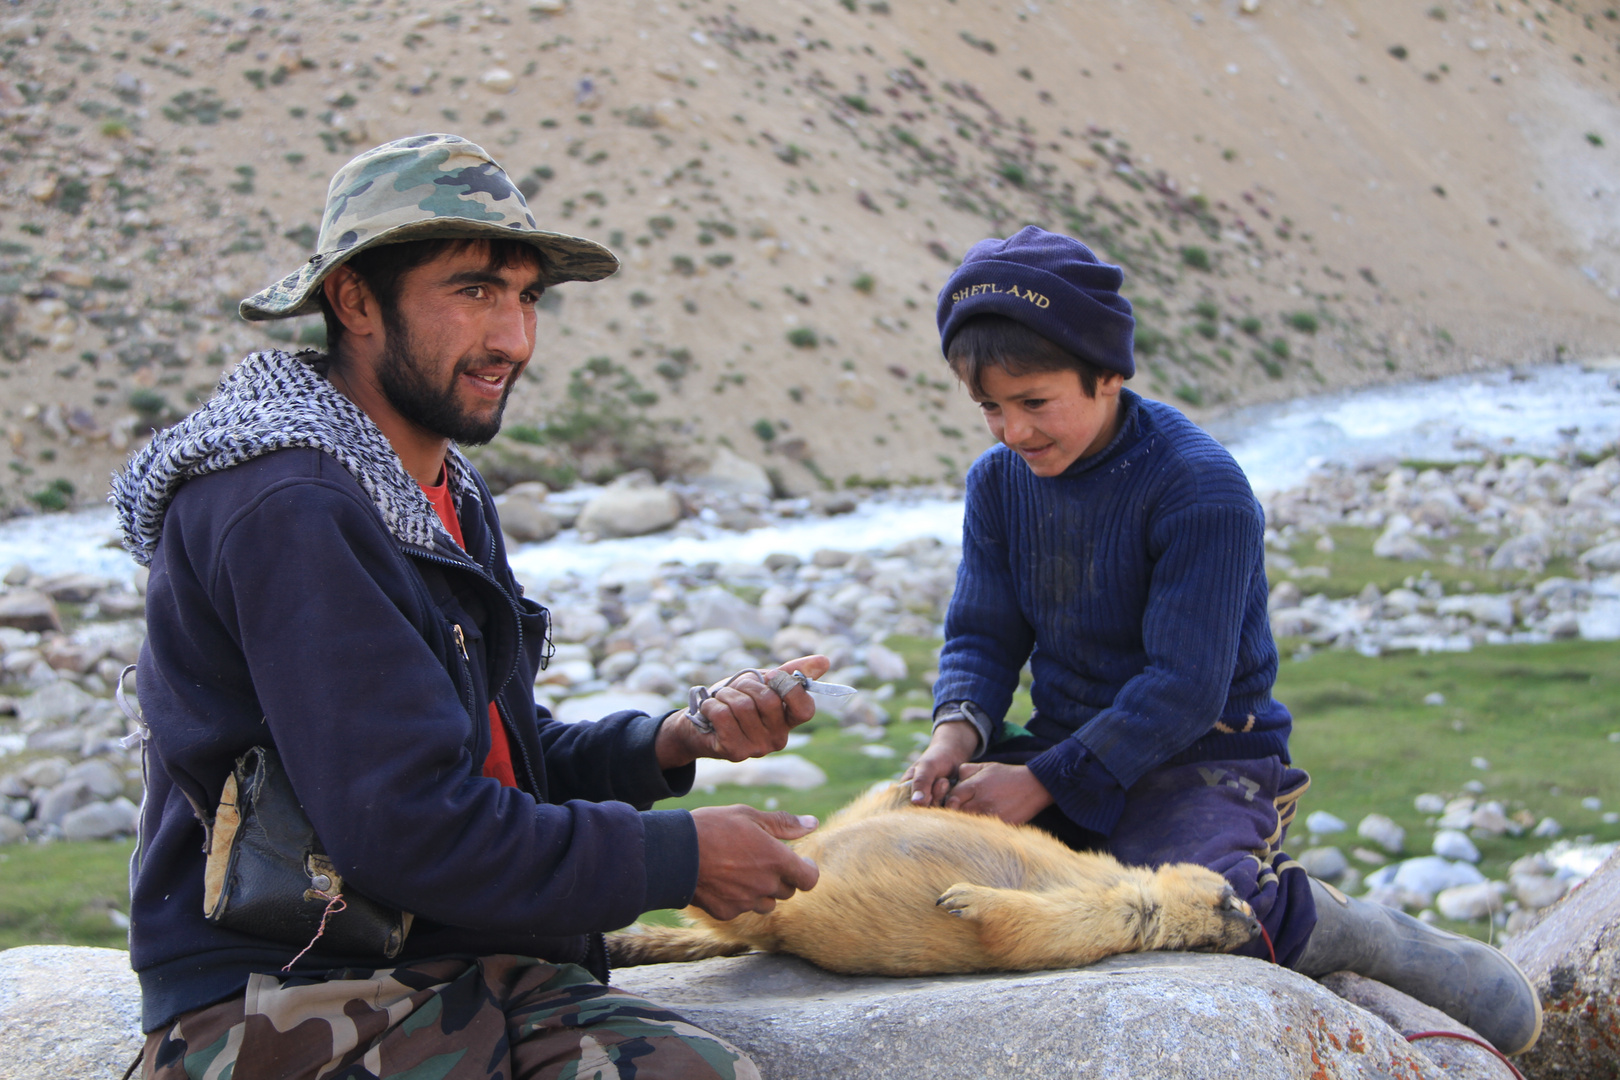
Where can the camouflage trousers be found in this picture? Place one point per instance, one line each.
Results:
(505, 1017)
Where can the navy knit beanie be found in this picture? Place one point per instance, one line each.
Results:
(1052, 284)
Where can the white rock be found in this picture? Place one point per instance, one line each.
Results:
(1466, 903)
(732, 474)
(44, 772)
(60, 702)
(774, 770)
(1451, 844)
(1428, 803)
(104, 779)
(794, 641)
(629, 511)
(577, 624)
(1604, 558)
(707, 646)
(1383, 832)
(885, 664)
(1398, 543)
(1325, 863)
(101, 820)
(1430, 874)
(713, 607)
(653, 677)
(526, 521)
(1486, 609)
(1489, 819)
(1320, 821)
(498, 80)
(1537, 891)
(566, 673)
(1528, 552)
(618, 665)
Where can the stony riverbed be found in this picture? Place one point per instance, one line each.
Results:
(1542, 538)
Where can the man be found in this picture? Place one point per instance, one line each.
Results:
(328, 580)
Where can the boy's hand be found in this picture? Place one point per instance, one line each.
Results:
(743, 865)
(749, 719)
(1009, 792)
(931, 774)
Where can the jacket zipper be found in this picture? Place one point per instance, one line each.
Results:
(468, 564)
(468, 701)
(461, 642)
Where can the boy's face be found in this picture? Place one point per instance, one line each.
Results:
(1046, 417)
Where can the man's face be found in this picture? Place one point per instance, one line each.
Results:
(461, 334)
(1047, 418)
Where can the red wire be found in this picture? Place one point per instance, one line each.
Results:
(1466, 1038)
(1269, 947)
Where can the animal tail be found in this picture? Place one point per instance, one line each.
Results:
(644, 944)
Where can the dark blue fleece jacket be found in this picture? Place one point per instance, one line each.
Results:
(1134, 584)
(283, 611)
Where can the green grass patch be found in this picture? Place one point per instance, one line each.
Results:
(60, 894)
(1459, 561)
(1541, 715)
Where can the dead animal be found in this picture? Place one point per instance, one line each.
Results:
(908, 890)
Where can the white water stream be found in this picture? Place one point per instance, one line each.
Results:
(1542, 411)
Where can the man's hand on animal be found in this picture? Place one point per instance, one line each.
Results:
(743, 864)
(1009, 792)
(932, 774)
(746, 718)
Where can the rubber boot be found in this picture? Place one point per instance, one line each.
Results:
(1468, 980)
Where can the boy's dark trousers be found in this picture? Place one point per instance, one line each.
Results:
(1230, 816)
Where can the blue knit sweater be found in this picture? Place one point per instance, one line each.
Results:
(1134, 583)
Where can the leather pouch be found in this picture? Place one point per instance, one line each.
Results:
(267, 874)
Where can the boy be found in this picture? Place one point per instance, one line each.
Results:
(1118, 549)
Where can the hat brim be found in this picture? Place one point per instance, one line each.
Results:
(567, 258)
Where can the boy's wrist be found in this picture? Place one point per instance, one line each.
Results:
(966, 712)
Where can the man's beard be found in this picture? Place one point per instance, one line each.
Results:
(413, 394)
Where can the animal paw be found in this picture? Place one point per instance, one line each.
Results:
(964, 901)
(1237, 924)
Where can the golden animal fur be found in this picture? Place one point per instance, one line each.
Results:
(926, 891)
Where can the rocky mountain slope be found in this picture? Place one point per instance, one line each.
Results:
(1304, 193)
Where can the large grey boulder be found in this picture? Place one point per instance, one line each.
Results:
(523, 518)
(67, 1013)
(1150, 1015)
(730, 474)
(629, 511)
(714, 608)
(59, 703)
(1573, 957)
(29, 609)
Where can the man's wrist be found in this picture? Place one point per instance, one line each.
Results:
(671, 744)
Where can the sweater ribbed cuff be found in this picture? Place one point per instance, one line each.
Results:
(671, 846)
(968, 713)
(1080, 785)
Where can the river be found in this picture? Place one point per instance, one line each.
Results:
(1544, 411)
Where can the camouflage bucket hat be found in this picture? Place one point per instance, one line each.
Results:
(427, 187)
